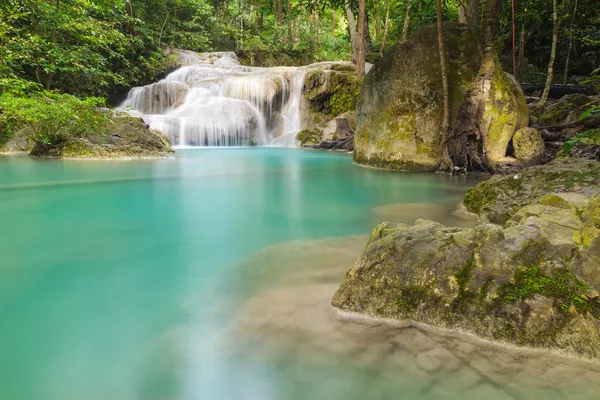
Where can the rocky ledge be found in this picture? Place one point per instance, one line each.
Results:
(121, 136)
(532, 281)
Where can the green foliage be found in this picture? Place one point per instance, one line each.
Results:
(49, 116)
(588, 137)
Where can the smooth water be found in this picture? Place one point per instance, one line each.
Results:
(208, 276)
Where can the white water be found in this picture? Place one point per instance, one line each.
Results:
(215, 101)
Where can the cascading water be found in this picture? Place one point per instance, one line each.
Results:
(215, 101)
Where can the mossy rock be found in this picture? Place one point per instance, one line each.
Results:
(332, 91)
(123, 136)
(309, 137)
(522, 284)
(528, 145)
(567, 109)
(400, 107)
(498, 198)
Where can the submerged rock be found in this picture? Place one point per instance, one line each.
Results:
(125, 136)
(533, 282)
(498, 198)
(400, 107)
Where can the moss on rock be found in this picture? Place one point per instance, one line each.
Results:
(528, 145)
(400, 107)
(520, 284)
(498, 198)
(123, 136)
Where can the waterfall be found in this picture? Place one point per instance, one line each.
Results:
(212, 100)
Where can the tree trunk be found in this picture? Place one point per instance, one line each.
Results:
(406, 21)
(162, 27)
(377, 20)
(570, 44)
(279, 14)
(352, 29)
(514, 40)
(442, 54)
(260, 22)
(333, 24)
(129, 29)
(385, 27)
(316, 25)
(361, 36)
(550, 77)
(521, 52)
(52, 58)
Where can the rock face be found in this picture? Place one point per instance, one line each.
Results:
(498, 198)
(533, 282)
(126, 137)
(330, 91)
(400, 107)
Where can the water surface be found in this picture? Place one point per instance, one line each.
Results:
(208, 276)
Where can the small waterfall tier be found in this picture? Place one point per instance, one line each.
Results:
(212, 100)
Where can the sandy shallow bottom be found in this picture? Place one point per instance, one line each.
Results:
(287, 315)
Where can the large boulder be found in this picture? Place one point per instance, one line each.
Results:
(533, 282)
(528, 145)
(123, 136)
(400, 107)
(498, 198)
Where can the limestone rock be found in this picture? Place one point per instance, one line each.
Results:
(531, 283)
(498, 198)
(400, 107)
(528, 145)
(332, 89)
(125, 137)
(567, 109)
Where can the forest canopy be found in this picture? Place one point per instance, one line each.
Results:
(86, 47)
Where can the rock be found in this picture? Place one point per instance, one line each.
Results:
(125, 136)
(567, 109)
(19, 142)
(528, 145)
(332, 89)
(500, 197)
(530, 283)
(400, 107)
(310, 137)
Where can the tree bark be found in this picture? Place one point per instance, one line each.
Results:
(316, 25)
(550, 77)
(514, 39)
(385, 27)
(406, 24)
(377, 20)
(260, 22)
(521, 53)
(352, 29)
(279, 14)
(361, 36)
(442, 53)
(129, 28)
(570, 44)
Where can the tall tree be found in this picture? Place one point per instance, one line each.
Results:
(362, 36)
(550, 76)
(443, 71)
(385, 27)
(570, 43)
(406, 24)
(352, 30)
